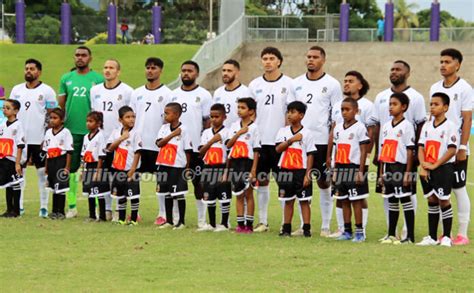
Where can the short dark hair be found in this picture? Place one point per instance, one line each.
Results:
(98, 117)
(298, 106)
(176, 107)
(218, 107)
(233, 62)
(402, 98)
(15, 103)
(272, 51)
(365, 84)
(191, 62)
(444, 97)
(453, 53)
(35, 62)
(60, 112)
(155, 61)
(318, 48)
(351, 101)
(251, 104)
(84, 48)
(123, 110)
(404, 63)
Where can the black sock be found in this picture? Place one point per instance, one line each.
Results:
(91, 201)
(122, 208)
(55, 203)
(307, 227)
(169, 209)
(211, 210)
(447, 216)
(16, 194)
(393, 214)
(409, 212)
(249, 221)
(433, 219)
(287, 228)
(102, 209)
(348, 227)
(181, 209)
(9, 200)
(359, 228)
(241, 221)
(225, 209)
(134, 205)
(61, 203)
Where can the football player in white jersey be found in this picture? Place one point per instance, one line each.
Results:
(108, 98)
(356, 87)
(272, 92)
(231, 91)
(415, 114)
(36, 99)
(148, 102)
(460, 112)
(196, 103)
(320, 92)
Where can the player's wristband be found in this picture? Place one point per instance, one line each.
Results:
(463, 147)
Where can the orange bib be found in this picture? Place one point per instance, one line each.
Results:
(167, 154)
(54, 153)
(6, 147)
(389, 151)
(432, 151)
(214, 156)
(342, 153)
(88, 157)
(120, 159)
(239, 150)
(292, 159)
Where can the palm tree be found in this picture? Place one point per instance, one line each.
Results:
(405, 18)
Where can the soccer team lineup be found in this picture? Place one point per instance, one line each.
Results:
(311, 135)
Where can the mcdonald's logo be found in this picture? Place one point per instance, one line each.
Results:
(120, 159)
(88, 157)
(389, 151)
(54, 152)
(167, 154)
(6, 147)
(239, 150)
(292, 159)
(342, 153)
(432, 151)
(214, 156)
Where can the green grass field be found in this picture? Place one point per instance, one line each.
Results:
(57, 60)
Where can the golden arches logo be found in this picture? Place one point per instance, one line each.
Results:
(342, 153)
(54, 153)
(120, 159)
(389, 151)
(214, 156)
(239, 150)
(6, 147)
(167, 154)
(293, 159)
(432, 151)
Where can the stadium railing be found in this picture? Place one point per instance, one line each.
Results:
(277, 34)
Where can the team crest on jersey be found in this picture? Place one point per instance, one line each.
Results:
(325, 90)
(127, 143)
(178, 138)
(298, 88)
(68, 83)
(17, 97)
(198, 99)
(14, 132)
(351, 136)
(453, 138)
(455, 97)
(382, 101)
(258, 91)
(385, 133)
(139, 98)
(119, 97)
(247, 136)
(160, 99)
(97, 97)
(174, 99)
(400, 133)
(283, 90)
(218, 99)
(442, 134)
(61, 142)
(40, 98)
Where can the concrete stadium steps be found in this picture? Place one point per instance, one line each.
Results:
(373, 60)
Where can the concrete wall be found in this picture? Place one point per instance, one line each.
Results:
(373, 60)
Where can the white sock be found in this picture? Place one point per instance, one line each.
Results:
(263, 195)
(414, 201)
(44, 196)
(201, 211)
(385, 210)
(301, 214)
(23, 187)
(108, 202)
(326, 204)
(161, 206)
(464, 209)
(365, 218)
(340, 219)
(282, 204)
(175, 212)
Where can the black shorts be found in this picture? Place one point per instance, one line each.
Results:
(58, 180)
(460, 174)
(440, 182)
(267, 161)
(290, 185)
(319, 162)
(122, 188)
(35, 153)
(94, 188)
(171, 181)
(214, 188)
(345, 185)
(195, 165)
(238, 175)
(148, 161)
(393, 181)
(8, 176)
(107, 163)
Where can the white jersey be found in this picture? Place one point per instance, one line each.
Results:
(173, 154)
(149, 107)
(396, 139)
(247, 143)
(320, 96)
(366, 109)
(93, 147)
(347, 142)
(272, 97)
(295, 157)
(125, 152)
(196, 105)
(57, 144)
(34, 104)
(217, 153)
(108, 102)
(437, 139)
(229, 100)
(12, 138)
